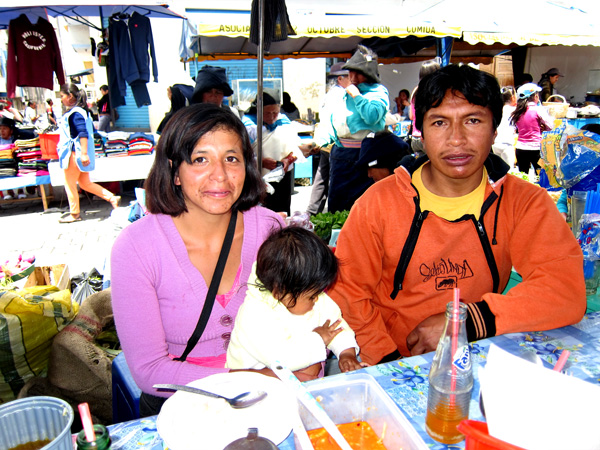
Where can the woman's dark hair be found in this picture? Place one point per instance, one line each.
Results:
(405, 91)
(178, 101)
(175, 146)
(294, 261)
(428, 67)
(520, 109)
(79, 94)
(478, 87)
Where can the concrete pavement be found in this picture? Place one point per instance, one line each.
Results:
(27, 229)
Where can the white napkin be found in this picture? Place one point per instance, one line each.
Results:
(536, 408)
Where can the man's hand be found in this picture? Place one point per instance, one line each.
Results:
(425, 337)
(352, 91)
(348, 361)
(269, 163)
(328, 332)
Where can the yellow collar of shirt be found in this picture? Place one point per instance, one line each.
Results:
(450, 208)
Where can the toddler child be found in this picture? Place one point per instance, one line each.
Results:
(286, 316)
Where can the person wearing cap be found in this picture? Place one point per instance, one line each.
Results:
(281, 146)
(7, 137)
(381, 154)
(212, 86)
(530, 119)
(454, 218)
(362, 111)
(337, 81)
(547, 82)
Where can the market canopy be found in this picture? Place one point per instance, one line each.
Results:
(79, 10)
(226, 36)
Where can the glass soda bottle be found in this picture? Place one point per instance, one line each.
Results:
(102, 441)
(450, 380)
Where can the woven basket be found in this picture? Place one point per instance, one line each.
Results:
(555, 109)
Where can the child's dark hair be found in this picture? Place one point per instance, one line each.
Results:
(295, 261)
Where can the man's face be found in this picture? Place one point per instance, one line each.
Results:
(5, 132)
(457, 136)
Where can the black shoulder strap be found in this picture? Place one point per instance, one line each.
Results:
(212, 290)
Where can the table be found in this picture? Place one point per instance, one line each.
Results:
(109, 169)
(406, 380)
(24, 181)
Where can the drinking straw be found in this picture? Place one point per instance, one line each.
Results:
(455, 314)
(86, 420)
(562, 359)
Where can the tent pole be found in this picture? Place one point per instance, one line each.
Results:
(259, 90)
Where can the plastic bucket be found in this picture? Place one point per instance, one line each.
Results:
(36, 419)
(48, 145)
(478, 438)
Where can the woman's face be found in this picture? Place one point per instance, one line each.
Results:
(169, 93)
(270, 113)
(403, 97)
(554, 78)
(67, 99)
(356, 77)
(214, 180)
(214, 96)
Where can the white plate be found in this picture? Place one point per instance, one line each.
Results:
(192, 421)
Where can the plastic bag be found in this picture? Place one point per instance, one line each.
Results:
(29, 320)
(569, 155)
(85, 284)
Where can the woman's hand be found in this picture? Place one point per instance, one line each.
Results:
(348, 361)
(85, 160)
(306, 374)
(309, 149)
(328, 332)
(352, 90)
(287, 161)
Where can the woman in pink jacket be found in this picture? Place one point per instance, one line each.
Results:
(530, 119)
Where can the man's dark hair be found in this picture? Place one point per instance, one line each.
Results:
(104, 87)
(175, 146)
(478, 87)
(294, 261)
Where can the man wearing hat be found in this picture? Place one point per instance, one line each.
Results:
(381, 154)
(362, 111)
(337, 82)
(212, 86)
(547, 83)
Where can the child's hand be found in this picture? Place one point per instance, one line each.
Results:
(328, 332)
(348, 361)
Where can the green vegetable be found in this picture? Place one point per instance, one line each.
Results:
(325, 222)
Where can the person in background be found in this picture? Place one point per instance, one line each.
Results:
(104, 115)
(289, 108)
(204, 181)
(523, 79)
(454, 218)
(401, 103)
(286, 315)
(337, 82)
(547, 82)
(281, 146)
(31, 115)
(212, 86)
(504, 144)
(7, 110)
(7, 137)
(50, 113)
(530, 119)
(76, 151)
(178, 101)
(381, 154)
(415, 135)
(363, 110)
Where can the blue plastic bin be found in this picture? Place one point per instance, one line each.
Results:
(125, 393)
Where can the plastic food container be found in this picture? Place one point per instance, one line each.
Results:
(36, 419)
(356, 397)
(478, 438)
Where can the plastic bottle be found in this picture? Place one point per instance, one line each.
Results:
(450, 380)
(102, 441)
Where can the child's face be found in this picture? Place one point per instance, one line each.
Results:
(304, 304)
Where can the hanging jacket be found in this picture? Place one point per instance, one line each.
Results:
(399, 265)
(33, 55)
(140, 32)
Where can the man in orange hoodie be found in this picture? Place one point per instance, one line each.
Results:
(455, 218)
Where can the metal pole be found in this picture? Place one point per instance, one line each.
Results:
(259, 91)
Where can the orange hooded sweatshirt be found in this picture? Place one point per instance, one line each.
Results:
(383, 297)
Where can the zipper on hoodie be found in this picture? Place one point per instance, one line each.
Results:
(489, 254)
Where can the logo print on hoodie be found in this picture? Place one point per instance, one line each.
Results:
(445, 273)
(33, 40)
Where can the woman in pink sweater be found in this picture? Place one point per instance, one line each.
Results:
(530, 119)
(204, 180)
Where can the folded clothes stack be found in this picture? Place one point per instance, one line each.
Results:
(29, 158)
(8, 164)
(140, 144)
(116, 144)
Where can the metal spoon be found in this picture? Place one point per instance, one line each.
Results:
(241, 401)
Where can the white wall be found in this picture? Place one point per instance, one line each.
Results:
(574, 62)
(396, 77)
(304, 79)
